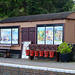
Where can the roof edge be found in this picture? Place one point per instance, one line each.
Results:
(35, 20)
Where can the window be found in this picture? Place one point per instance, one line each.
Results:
(14, 35)
(50, 34)
(58, 34)
(5, 36)
(41, 35)
(9, 35)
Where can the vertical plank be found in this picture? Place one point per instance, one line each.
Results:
(24, 34)
(31, 36)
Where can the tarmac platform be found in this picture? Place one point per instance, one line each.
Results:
(67, 67)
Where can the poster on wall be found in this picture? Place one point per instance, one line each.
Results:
(41, 35)
(15, 36)
(25, 46)
(49, 35)
(58, 34)
(6, 36)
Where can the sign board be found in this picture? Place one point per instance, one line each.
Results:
(25, 47)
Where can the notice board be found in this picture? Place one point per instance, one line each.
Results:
(25, 47)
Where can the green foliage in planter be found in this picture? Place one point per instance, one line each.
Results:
(64, 48)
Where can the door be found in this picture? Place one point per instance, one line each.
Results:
(32, 35)
(28, 34)
(24, 34)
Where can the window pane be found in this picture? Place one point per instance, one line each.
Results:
(5, 36)
(41, 35)
(58, 34)
(15, 36)
(49, 35)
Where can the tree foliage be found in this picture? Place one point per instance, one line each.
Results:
(11, 8)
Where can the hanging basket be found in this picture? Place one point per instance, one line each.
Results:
(36, 53)
(51, 54)
(27, 52)
(31, 52)
(41, 53)
(46, 53)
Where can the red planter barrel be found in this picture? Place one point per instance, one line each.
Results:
(36, 53)
(51, 54)
(46, 53)
(31, 52)
(41, 53)
(27, 52)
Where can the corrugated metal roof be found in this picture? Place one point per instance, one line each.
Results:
(52, 16)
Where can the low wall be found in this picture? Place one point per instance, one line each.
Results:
(7, 70)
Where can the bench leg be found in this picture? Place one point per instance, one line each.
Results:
(7, 54)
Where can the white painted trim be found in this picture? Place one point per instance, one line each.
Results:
(39, 68)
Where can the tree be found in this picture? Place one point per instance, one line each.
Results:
(33, 7)
(63, 5)
(11, 8)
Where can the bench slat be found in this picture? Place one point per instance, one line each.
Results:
(4, 48)
(5, 45)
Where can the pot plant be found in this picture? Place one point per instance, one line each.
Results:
(65, 52)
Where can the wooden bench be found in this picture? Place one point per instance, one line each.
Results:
(5, 49)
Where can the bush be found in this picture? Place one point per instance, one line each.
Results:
(64, 48)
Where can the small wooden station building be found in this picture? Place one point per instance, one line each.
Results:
(47, 29)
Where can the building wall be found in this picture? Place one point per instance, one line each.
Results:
(69, 31)
(72, 16)
(29, 24)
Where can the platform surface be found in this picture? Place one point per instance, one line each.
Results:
(39, 64)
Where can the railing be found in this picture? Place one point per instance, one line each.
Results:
(43, 47)
(48, 49)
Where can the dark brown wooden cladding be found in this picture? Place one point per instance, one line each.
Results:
(31, 36)
(24, 34)
(28, 34)
(43, 47)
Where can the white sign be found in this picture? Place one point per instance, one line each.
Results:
(25, 47)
